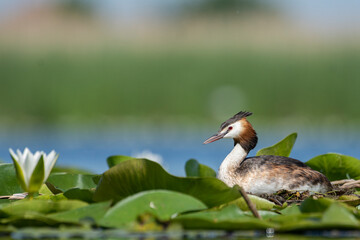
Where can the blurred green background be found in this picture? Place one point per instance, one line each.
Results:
(76, 62)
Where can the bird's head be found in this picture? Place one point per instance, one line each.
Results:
(239, 129)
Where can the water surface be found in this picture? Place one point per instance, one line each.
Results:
(88, 148)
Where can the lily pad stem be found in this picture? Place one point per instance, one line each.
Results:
(251, 206)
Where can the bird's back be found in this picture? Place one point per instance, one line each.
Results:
(268, 174)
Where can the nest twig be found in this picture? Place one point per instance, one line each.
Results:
(346, 184)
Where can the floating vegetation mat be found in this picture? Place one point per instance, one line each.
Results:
(137, 198)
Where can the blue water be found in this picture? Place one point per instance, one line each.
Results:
(88, 148)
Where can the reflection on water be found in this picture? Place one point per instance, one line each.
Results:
(89, 148)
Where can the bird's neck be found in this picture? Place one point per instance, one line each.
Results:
(227, 170)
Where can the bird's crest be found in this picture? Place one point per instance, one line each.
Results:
(235, 118)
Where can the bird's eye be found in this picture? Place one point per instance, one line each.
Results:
(230, 128)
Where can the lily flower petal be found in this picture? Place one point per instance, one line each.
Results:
(20, 156)
(13, 155)
(49, 162)
(29, 165)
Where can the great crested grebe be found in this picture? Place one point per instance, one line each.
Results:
(262, 174)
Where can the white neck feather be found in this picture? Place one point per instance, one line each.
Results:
(230, 164)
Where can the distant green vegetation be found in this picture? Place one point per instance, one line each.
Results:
(49, 87)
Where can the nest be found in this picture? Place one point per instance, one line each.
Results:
(346, 187)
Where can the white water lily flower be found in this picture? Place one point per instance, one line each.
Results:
(31, 169)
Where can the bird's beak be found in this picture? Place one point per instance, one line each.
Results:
(215, 138)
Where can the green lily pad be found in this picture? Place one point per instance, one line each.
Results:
(52, 197)
(114, 160)
(47, 194)
(29, 219)
(282, 148)
(260, 203)
(291, 210)
(336, 166)
(22, 207)
(321, 205)
(194, 169)
(137, 175)
(94, 211)
(85, 195)
(65, 181)
(296, 222)
(263, 213)
(9, 183)
(315, 205)
(337, 215)
(160, 203)
(68, 169)
(228, 218)
(44, 190)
